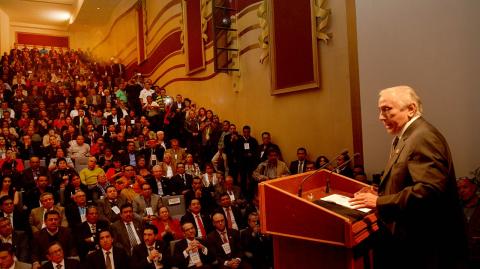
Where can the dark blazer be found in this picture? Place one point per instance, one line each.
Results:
(418, 201)
(20, 221)
(207, 201)
(29, 181)
(237, 214)
(21, 242)
(215, 243)
(84, 232)
(120, 234)
(153, 184)
(181, 262)
(96, 260)
(73, 216)
(140, 254)
(294, 167)
(178, 185)
(207, 223)
(69, 264)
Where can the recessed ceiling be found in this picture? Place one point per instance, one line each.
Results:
(57, 14)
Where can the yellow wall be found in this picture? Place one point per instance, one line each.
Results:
(4, 32)
(318, 119)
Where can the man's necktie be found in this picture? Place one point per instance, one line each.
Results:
(229, 218)
(93, 228)
(200, 226)
(59, 266)
(131, 235)
(300, 167)
(394, 145)
(224, 237)
(108, 261)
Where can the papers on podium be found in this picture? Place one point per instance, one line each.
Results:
(343, 201)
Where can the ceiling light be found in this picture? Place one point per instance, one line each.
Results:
(58, 15)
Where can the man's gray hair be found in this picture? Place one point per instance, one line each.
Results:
(405, 96)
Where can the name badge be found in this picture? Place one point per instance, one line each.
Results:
(132, 121)
(115, 209)
(226, 248)
(83, 217)
(195, 257)
(149, 211)
(246, 146)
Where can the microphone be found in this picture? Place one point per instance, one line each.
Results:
(300, 188)
(327, 188)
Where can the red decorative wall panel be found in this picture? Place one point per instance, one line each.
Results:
(42, 40)
(193, 36)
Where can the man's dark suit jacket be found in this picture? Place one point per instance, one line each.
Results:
(207, 223)
(294, 167)
(28, 181)
(418, 200)
(69, 264)
(237, 214)
(207, 201)
(178, 185)
(182, 263)
(215, 243)
(153, 184)
(96, 260)
(73, 216)
(140, 254)
(21, 242)
(120, 234)
(20, 221)
(84, 232)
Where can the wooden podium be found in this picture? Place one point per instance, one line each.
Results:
(306, 235)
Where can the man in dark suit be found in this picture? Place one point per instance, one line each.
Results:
(147, 204)
(109, 206)
(158, 182)
(76, 213)
(198, 191)
(108, 254)
(56, 259)
(87, 232)
(226, 245)
(234, 218)
(151, 253)
(18, 239)
(202, 223)
(53, 232)
(191, 252)
(258, 248)
(233, 191)
(79, 121)
(17, 217)
(300, 164)
(31, 174)
(417, 197)
(181, 182)
(127, 231)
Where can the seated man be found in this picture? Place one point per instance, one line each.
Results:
(201, 193)
(18, 239)
(201, 221)
(87, 233)
(151, 253)
(300, 164)
(18, 218)
(233, 215)
(37, 214)
(8, 259)
(271, 168)
(76, 212)
(258, 248)
(147, 204)
(226, 245)
(89, 174)
(32, 197)
(191, 252)
(78, 148)
(233, 191)
(108, 255)
(56, 258)
(109, 206)
(52, 233)
(127, 231)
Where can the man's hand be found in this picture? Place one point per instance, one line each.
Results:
(364, 200)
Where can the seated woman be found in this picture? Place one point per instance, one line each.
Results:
(7, 188)
(168, 229)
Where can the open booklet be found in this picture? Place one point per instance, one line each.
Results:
(343, 201)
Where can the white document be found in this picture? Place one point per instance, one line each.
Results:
(343, 201)
(115, 209)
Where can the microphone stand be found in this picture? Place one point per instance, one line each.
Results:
(300, 188)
